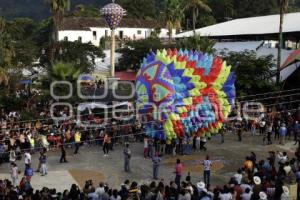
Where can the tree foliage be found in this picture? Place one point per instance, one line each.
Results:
(134, 52)
(64, 71)
(195, 6)
(253, 73)
(144, 9)
(172, 15)
(82, 55)
(198, 43)
(82, 10)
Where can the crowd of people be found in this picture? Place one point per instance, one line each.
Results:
(266, 179)
(263, 179)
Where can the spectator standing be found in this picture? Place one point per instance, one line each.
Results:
(77, 138)
(150, 148)
(106, 144)
(206, 173)
(282, 133)
(156, 162)
(63, 154)
(14, 174)
(127, 157)
(28, 173)
(296, 131)
(202, 143)
(27, 158)
(145, 146)
(178, 172)
(12, 156)
(115, 195)
(238, 127)
(134, 192)
(262, 126)
(43, 160)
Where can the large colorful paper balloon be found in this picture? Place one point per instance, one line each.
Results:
(180, 93)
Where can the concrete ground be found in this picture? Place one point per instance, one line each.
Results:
(90, 163)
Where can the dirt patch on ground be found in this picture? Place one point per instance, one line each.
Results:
(81, 176)
(194, 163)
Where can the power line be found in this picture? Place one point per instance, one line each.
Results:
(126, 110)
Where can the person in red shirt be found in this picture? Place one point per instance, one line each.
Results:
(178, 172)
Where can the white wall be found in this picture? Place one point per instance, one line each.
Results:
(129, 33)
(74, 35)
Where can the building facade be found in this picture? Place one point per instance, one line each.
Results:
(93, 29)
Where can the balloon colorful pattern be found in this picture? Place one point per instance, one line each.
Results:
(180, 93)
(113, 14)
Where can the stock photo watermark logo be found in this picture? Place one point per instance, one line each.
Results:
(110, 88)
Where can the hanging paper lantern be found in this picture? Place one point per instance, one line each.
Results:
(183, 93)
(113, 14)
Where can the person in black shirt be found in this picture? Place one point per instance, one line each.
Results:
(63, 154)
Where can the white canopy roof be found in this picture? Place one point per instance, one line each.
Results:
(249, 26)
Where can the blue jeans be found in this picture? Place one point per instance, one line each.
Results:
(206, 177)
(127, 165)
(155, 171)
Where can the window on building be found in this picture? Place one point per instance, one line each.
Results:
(106, 33)
(121, 34)
(79, 39)
(139, 32)
(65, 38)
(95, 35)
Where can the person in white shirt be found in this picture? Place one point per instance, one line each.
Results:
(12, 156)
(225, 195)
(206, 174)
(100, 190)
(238, 176)
(14, 174)
(282, 157)
(27, 158)
(246, 195)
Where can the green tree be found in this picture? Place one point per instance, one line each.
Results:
(144, 9)
(198, 43)
(82, 55)
(172, 14)
(134, 52)
(57, 8)
(246, 8)
(7, 52)
(253, 73)
(85, 11)
(195, 6)
(223, 10)
(64, 71)
(283, 4)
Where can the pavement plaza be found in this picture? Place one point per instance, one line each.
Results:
(91, 165)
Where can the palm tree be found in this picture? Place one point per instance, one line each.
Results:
(195, 6)
(64, 71)
(283, 6)
(57, 8)
(173, 14)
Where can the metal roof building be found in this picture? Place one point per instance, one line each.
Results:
(264, 27)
